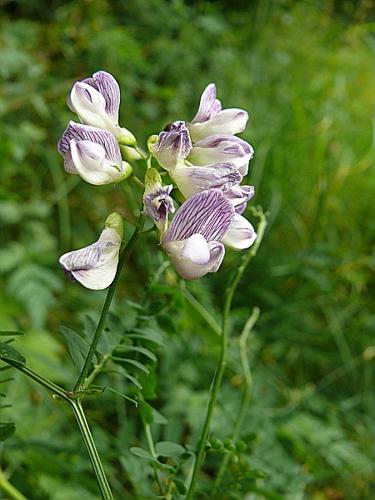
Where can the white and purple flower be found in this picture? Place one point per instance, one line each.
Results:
(96, 101)
(222, 148)
(92, 153)
(157, 202)
(211, 119)
(193, 240)
(95, 266)
(172, 145)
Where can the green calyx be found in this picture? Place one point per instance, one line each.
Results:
(152, 180)
(151, 141)
(126, 138)
(116, 222)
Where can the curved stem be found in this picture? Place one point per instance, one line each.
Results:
(245, 398)
(105, 489)
(99, 329)
(223, 350)
(9, 489)
(151, 447)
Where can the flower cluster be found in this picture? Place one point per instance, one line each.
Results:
(92, 149)
(205, 160)
(208, 163)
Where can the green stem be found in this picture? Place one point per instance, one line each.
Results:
(96, 463)
(11, 492)
(151, 447)
(245, 398)
(223, 351)
(99, 329)
(82, 423)
(54, 388)
(201, 310)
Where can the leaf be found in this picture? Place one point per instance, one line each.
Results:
(141, 350)
(150, 415)
(10, 332)
(169, 449)
(146, 412)
(8, 353)
(147, 334)
(142, 453)
(135, 402)
(78, 347)
(124, 373)
(180, 486)
(137, 364)
(6, 430)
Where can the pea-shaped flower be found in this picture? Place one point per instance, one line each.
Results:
(95, 266)
(193, 241)
(96, 101)
(157, 202)
(172, 145)
(211, 119)
(92, 153)
(222, 149)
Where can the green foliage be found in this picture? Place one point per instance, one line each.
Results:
(304, 70)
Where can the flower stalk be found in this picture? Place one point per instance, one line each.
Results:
(107, 304)
(216, 383)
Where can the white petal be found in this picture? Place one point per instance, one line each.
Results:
(222, 148)
(90, 106)
(193, 259)
(94, 266)
(91, 164)
(196, 249)
(228, 121)
(240, 234)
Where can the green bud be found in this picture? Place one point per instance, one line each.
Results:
(152, 180)
(241, 446)
(129, 153)
(115, 221)
(126, 138)
(151, 141)
(229, 445)
(216, 443)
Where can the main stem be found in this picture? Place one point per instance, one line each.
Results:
(213, 395)
(223, 351)
(96, 463)
(107, 304)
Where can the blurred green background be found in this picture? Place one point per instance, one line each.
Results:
(305, 72)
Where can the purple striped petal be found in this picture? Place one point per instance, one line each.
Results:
(158, 204)
(209, 106)
(81, 132)
(173, 144)
(104, 83)
(239, 196)
(94, 266)
(207, 213)
(191, 180)
(222, 148)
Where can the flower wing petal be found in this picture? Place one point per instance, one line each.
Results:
(94, 266)
(240, 234)
(91, 164)
(191, 179)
